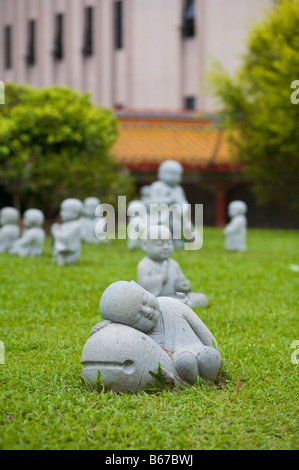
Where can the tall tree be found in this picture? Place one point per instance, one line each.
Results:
(258, 105)
(54, 143)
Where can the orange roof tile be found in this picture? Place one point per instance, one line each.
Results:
(194, 143)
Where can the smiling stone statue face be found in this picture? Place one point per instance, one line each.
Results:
(158, 244)
(147, 316)
(159, 250)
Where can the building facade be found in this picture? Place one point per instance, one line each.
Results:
(146, 59)
(141, 54)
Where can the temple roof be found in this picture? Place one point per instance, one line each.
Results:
(146, 139)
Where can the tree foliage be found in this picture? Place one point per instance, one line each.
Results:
(54, 143)
(256, 106)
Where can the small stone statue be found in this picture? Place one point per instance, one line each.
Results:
(168, 190)
(161, 275)
(33, 237)
(139, 332)
(137, 224)
(67, 235)
(90, 220)
(10, 230)
(235, 231)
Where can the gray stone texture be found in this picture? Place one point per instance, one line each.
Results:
(139, 332)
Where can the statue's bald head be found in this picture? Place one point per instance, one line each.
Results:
(237, 208)
(171, 172)
(34, 218)
(158, 243)
(9, 215)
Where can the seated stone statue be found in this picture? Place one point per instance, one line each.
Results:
(161, 275)
(189, 348)
(10, 230)
(33, 237)
(235, 231)
(90, 220)
(67, 235)
(137, 224)
(168, 190)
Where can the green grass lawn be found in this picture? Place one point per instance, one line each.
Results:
(47, 313)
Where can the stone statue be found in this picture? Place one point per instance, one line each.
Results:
(139, 332)
(124, 356)
(33, 237)
(235, 231)
(90, 220)
(10, 230)
(168, 190)
(137, 224)
(67, 235)
(161, 275)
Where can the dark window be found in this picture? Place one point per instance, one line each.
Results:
(8, 47)
(31, 52)
(190, 102)
(188, 28)
(88, 33)
(58, 45)
(118, 25)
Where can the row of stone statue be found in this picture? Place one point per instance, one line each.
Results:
(75, 228)
(78, 224)
(167, 191)
(79, 221)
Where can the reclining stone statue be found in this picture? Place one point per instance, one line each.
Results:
(139, 333)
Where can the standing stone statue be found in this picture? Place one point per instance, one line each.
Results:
(137, 224)
(33, 237)
(10, 230)
(139, 332)
(168, 190)
(161, 275)
(67, 235)
(235, 231)
(90, 220)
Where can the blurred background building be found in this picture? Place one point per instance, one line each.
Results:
(146, 59)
